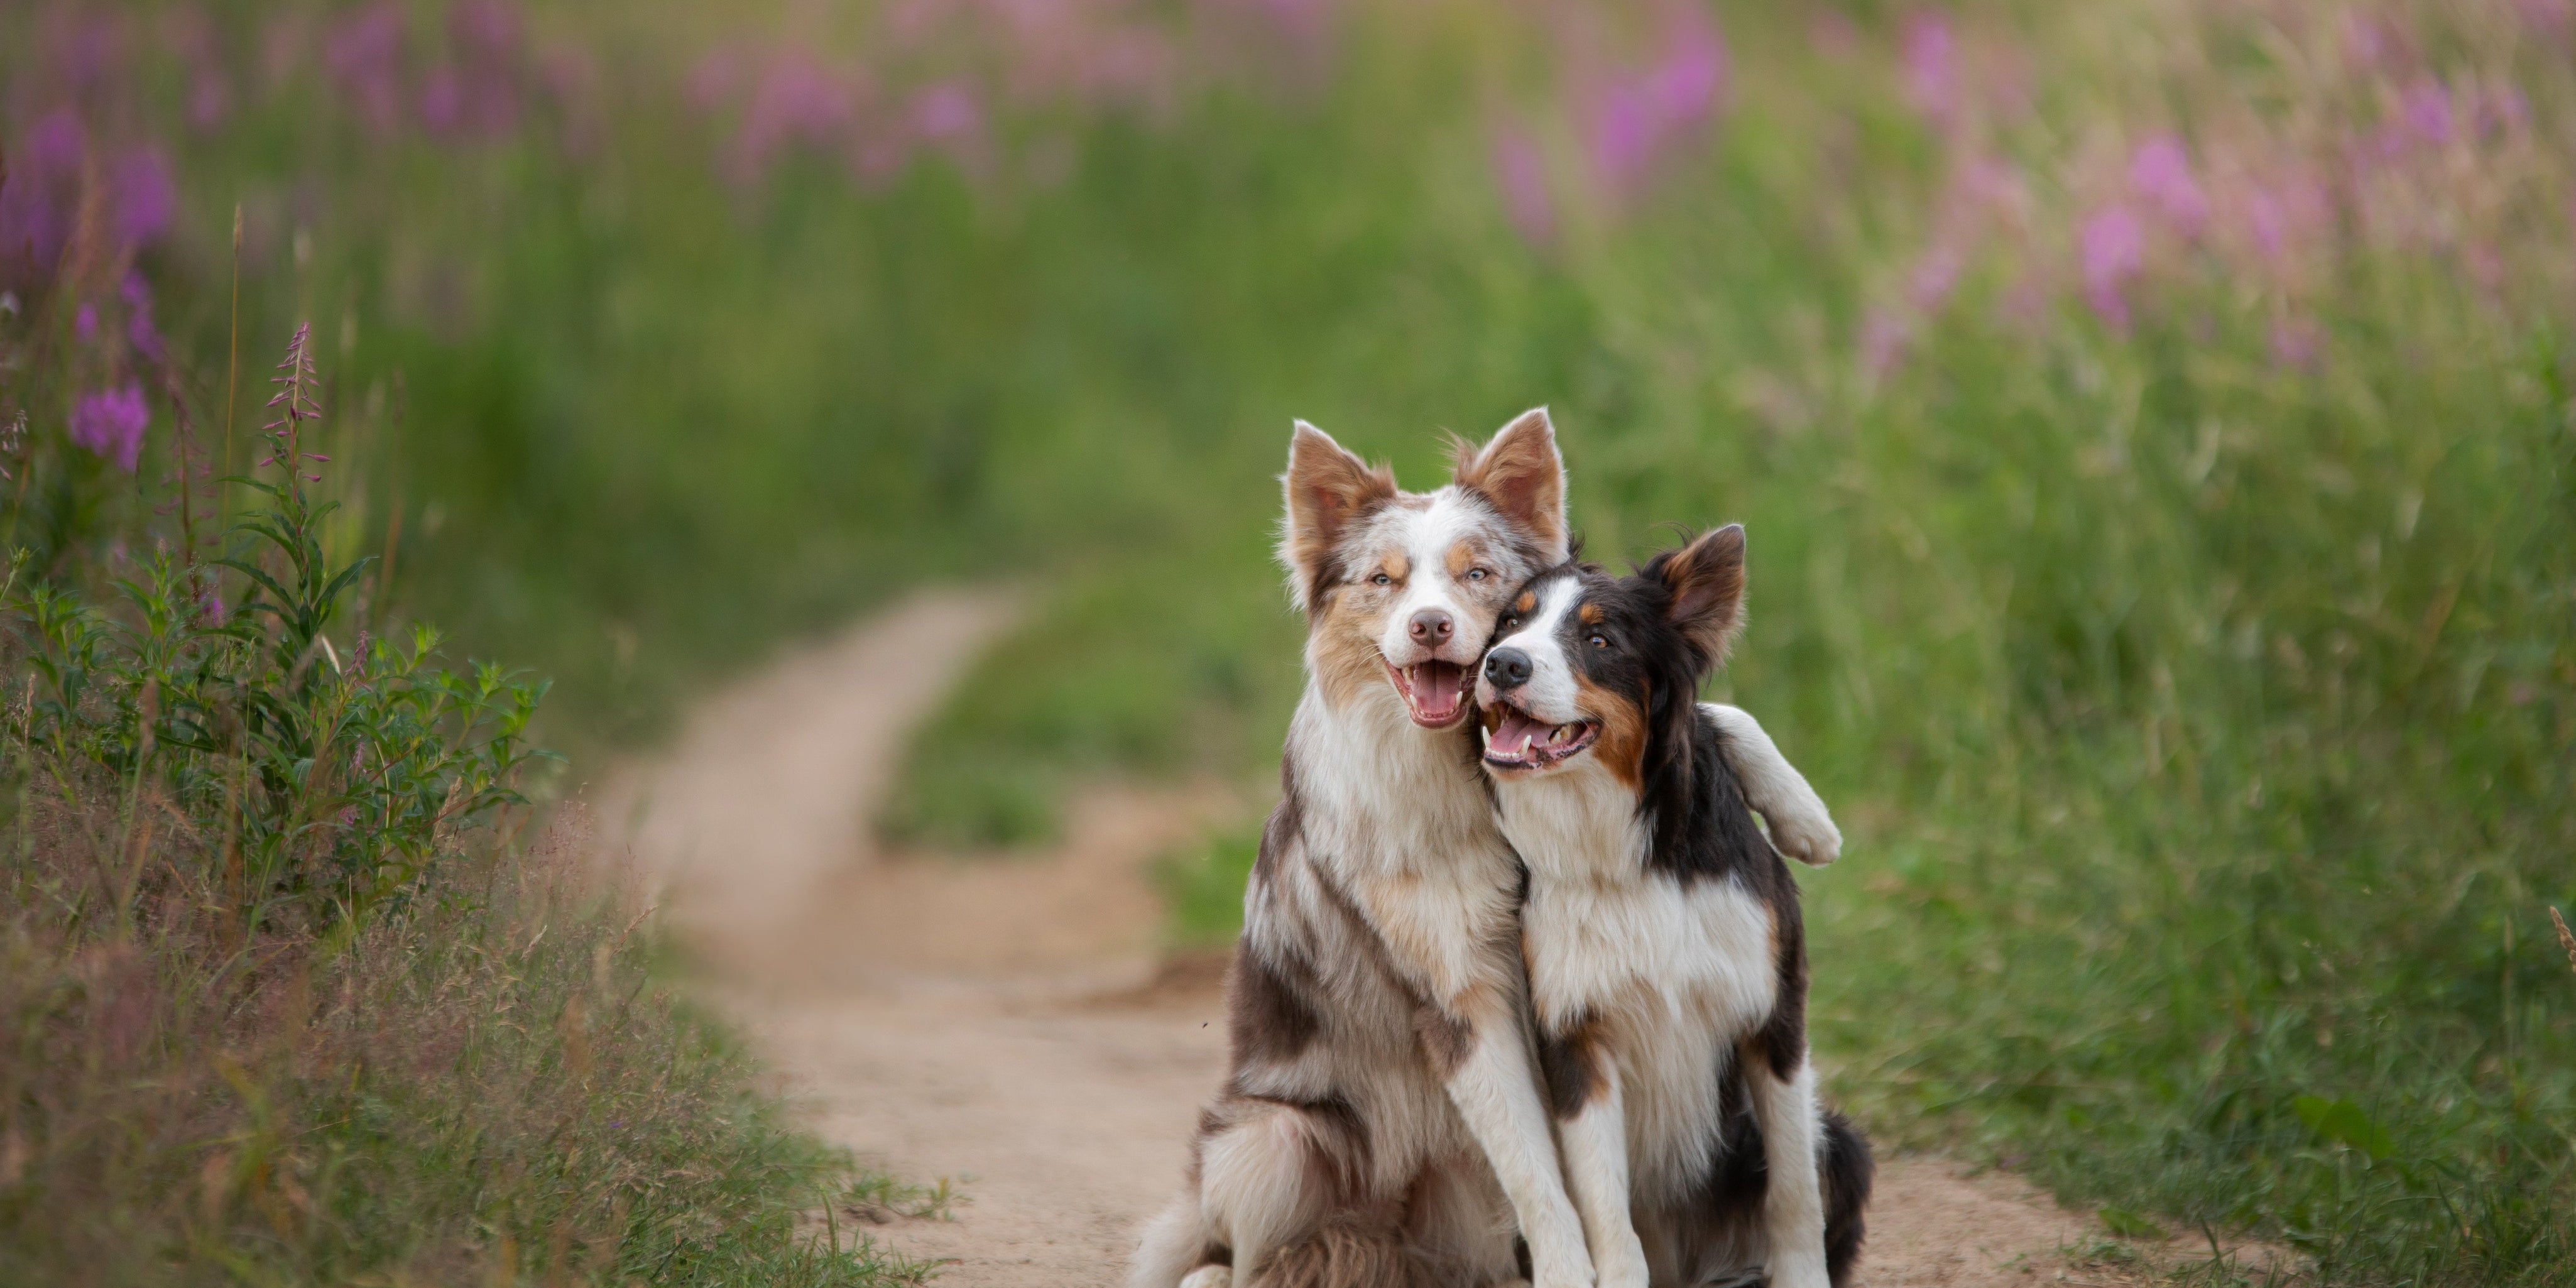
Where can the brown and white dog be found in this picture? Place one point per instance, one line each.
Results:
(1666, 954)
(1382, 1123)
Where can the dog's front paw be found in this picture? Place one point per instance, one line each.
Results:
(1809, 836)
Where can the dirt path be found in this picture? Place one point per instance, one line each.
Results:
(988, 1021)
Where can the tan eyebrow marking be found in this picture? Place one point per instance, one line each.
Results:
(1395, 565)
(1591, 614)
(1526, 603)
(1462, 557)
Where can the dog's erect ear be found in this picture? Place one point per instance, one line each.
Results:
(1521, 473)
(1706, 580)
(1328, 490)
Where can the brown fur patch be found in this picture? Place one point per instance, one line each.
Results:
(1463, 557)
(1622, 744)
(1527, 603)
(1267, 1013)
(1447, 1040)
(1590, 614)
(1344, 1250)
(1571, 1065)
(1345, 644)
(1706, 579)
(1520, 473)
(1328, 490)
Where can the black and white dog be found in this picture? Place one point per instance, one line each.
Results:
(1666, 954)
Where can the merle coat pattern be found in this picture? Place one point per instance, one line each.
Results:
(1382, 1125)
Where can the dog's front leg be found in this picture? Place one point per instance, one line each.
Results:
(1481, 1047)
(1593, 1130)
(1801, 826)
(1794, 1208)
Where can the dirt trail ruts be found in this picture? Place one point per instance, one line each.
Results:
(990, 1021)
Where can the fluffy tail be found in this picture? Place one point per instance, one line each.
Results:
(1176, 1242)
(1345, 1250)
(1847, 1169)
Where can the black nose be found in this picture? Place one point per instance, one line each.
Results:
(1431, 626)
(1507, 668)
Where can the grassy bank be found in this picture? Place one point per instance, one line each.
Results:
(2151, 421)
(288, 996)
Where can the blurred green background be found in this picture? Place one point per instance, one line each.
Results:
(2151, 420)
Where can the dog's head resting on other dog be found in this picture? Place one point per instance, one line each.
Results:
(1590, 671)
(1404, 587)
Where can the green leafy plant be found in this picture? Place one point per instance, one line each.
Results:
(336, 774)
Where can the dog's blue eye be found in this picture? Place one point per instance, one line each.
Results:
(1382, 579)
(1475, 574)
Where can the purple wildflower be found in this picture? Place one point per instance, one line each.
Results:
(110, 423)
(946, 113)
(2278, 216)
(42, 194)
(2160, 176)
(85, 323)
(1520, 171)
(949, 116)
(363, 54)
(442, 100)
(486, 28)
(1932, 66)
(210, 100)
(2112, 249)
(139, 331)
(795, 100)
(479, 90)
(146, 196)
(2427, 109)
(1635, 117)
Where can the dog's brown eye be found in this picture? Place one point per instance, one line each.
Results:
(1382, 580)
(1511, 622)
(1600, 641)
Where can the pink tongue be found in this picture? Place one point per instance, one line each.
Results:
(1517, 734)
(1435, 689)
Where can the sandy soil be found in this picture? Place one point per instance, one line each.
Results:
(1000, 1022)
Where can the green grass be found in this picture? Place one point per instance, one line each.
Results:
(2200, 714)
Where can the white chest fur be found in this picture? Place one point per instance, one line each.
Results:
(1668, 976)
(1400, 817)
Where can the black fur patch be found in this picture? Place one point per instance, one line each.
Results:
(1849, 1172)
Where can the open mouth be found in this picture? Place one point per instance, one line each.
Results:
(1513, 740)
(1434, 692)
